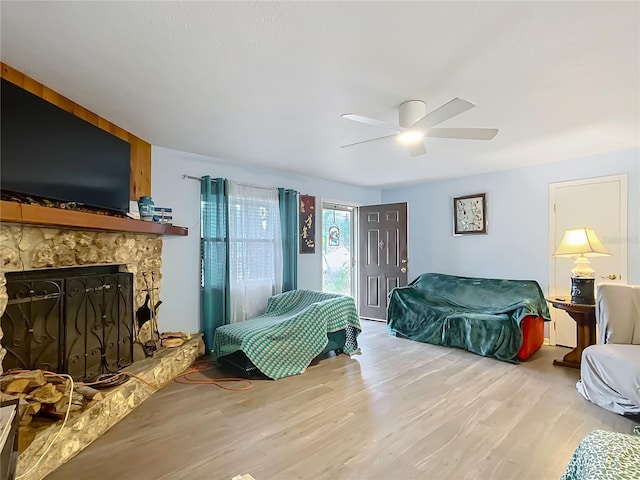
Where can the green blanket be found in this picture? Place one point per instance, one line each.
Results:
(480, 315)
(603, 455)
(292, 332)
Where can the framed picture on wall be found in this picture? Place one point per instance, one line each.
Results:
(470, 214)
(307, 222)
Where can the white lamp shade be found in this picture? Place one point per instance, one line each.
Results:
(581, 242)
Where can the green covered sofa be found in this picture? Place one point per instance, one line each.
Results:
(490, 317)
(297, 326)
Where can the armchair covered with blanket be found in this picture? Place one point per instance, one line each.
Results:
(610, 370)
(297, 326)
(491, 317)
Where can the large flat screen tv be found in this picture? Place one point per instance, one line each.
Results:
(48, 152)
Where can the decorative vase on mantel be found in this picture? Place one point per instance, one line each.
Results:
(145, 206)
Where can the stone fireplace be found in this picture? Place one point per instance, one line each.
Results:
(28, 252)
(35, 239)
(26, 248)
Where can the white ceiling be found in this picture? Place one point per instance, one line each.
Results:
(264, 83)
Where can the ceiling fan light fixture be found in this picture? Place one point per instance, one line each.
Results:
(410, 136)
(414, 125)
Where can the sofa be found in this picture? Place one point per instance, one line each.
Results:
(296, 327)
(496, 318)
(610, 370)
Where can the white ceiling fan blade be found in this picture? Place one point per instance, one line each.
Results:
(371, 121)
(417, 149)
(445, 112)
(463, 133)
(370, 140)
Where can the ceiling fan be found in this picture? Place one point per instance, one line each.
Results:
(415, 124)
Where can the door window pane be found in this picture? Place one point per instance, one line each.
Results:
(336, 250)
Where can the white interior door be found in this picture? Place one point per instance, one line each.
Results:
(599, 204)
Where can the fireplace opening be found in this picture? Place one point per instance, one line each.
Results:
(77, 321)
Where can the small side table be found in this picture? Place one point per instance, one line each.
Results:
(585, 317)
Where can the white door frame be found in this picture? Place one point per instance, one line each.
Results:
(623, 179)
(354, 242)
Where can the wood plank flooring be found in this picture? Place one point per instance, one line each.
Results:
(400, 410)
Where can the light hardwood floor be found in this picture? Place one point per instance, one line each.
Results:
(400, 410)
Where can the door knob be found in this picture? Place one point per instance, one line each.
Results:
(404, 260)
(611, 276)
(403, 269)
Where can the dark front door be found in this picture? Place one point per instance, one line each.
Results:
(383, 256)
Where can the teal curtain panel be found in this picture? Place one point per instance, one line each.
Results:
(214, 256)
(289, 224)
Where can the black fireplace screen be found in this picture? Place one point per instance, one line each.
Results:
(77, 321)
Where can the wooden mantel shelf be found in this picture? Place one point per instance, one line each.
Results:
(12, 212)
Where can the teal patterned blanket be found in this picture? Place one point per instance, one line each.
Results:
(292, 332)
(481, 315)
(603, 455)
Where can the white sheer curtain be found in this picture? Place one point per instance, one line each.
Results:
(255, 249)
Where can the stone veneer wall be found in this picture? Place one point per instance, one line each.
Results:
(25, 247)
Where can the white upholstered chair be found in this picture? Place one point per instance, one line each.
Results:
(610, 371)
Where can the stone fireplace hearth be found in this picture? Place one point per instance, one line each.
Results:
(33, 249)
(89, 424)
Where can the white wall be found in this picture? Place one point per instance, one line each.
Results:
(181, 255)
(517, 243)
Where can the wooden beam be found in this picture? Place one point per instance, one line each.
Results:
(140, 168)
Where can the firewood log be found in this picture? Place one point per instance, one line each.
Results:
(171, 342)
(89, 393)
(56, 380)
(59, 408)
(23, 405)
(183, 335)
(45, 394)
(78, 399)
(17, 385)
(35, 377)
(34, 407)
(64, 387)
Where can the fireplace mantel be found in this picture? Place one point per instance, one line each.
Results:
(12, 212)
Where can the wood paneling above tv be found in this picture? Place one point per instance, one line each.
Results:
(140, 180)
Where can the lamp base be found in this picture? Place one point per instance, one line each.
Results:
(582, 291)
(583, 268)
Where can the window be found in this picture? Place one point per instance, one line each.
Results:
(255, 249)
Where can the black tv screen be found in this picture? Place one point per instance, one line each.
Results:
(48, 152)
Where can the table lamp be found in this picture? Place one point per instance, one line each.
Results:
(580, 243)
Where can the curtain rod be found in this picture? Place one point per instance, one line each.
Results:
(189, 177)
